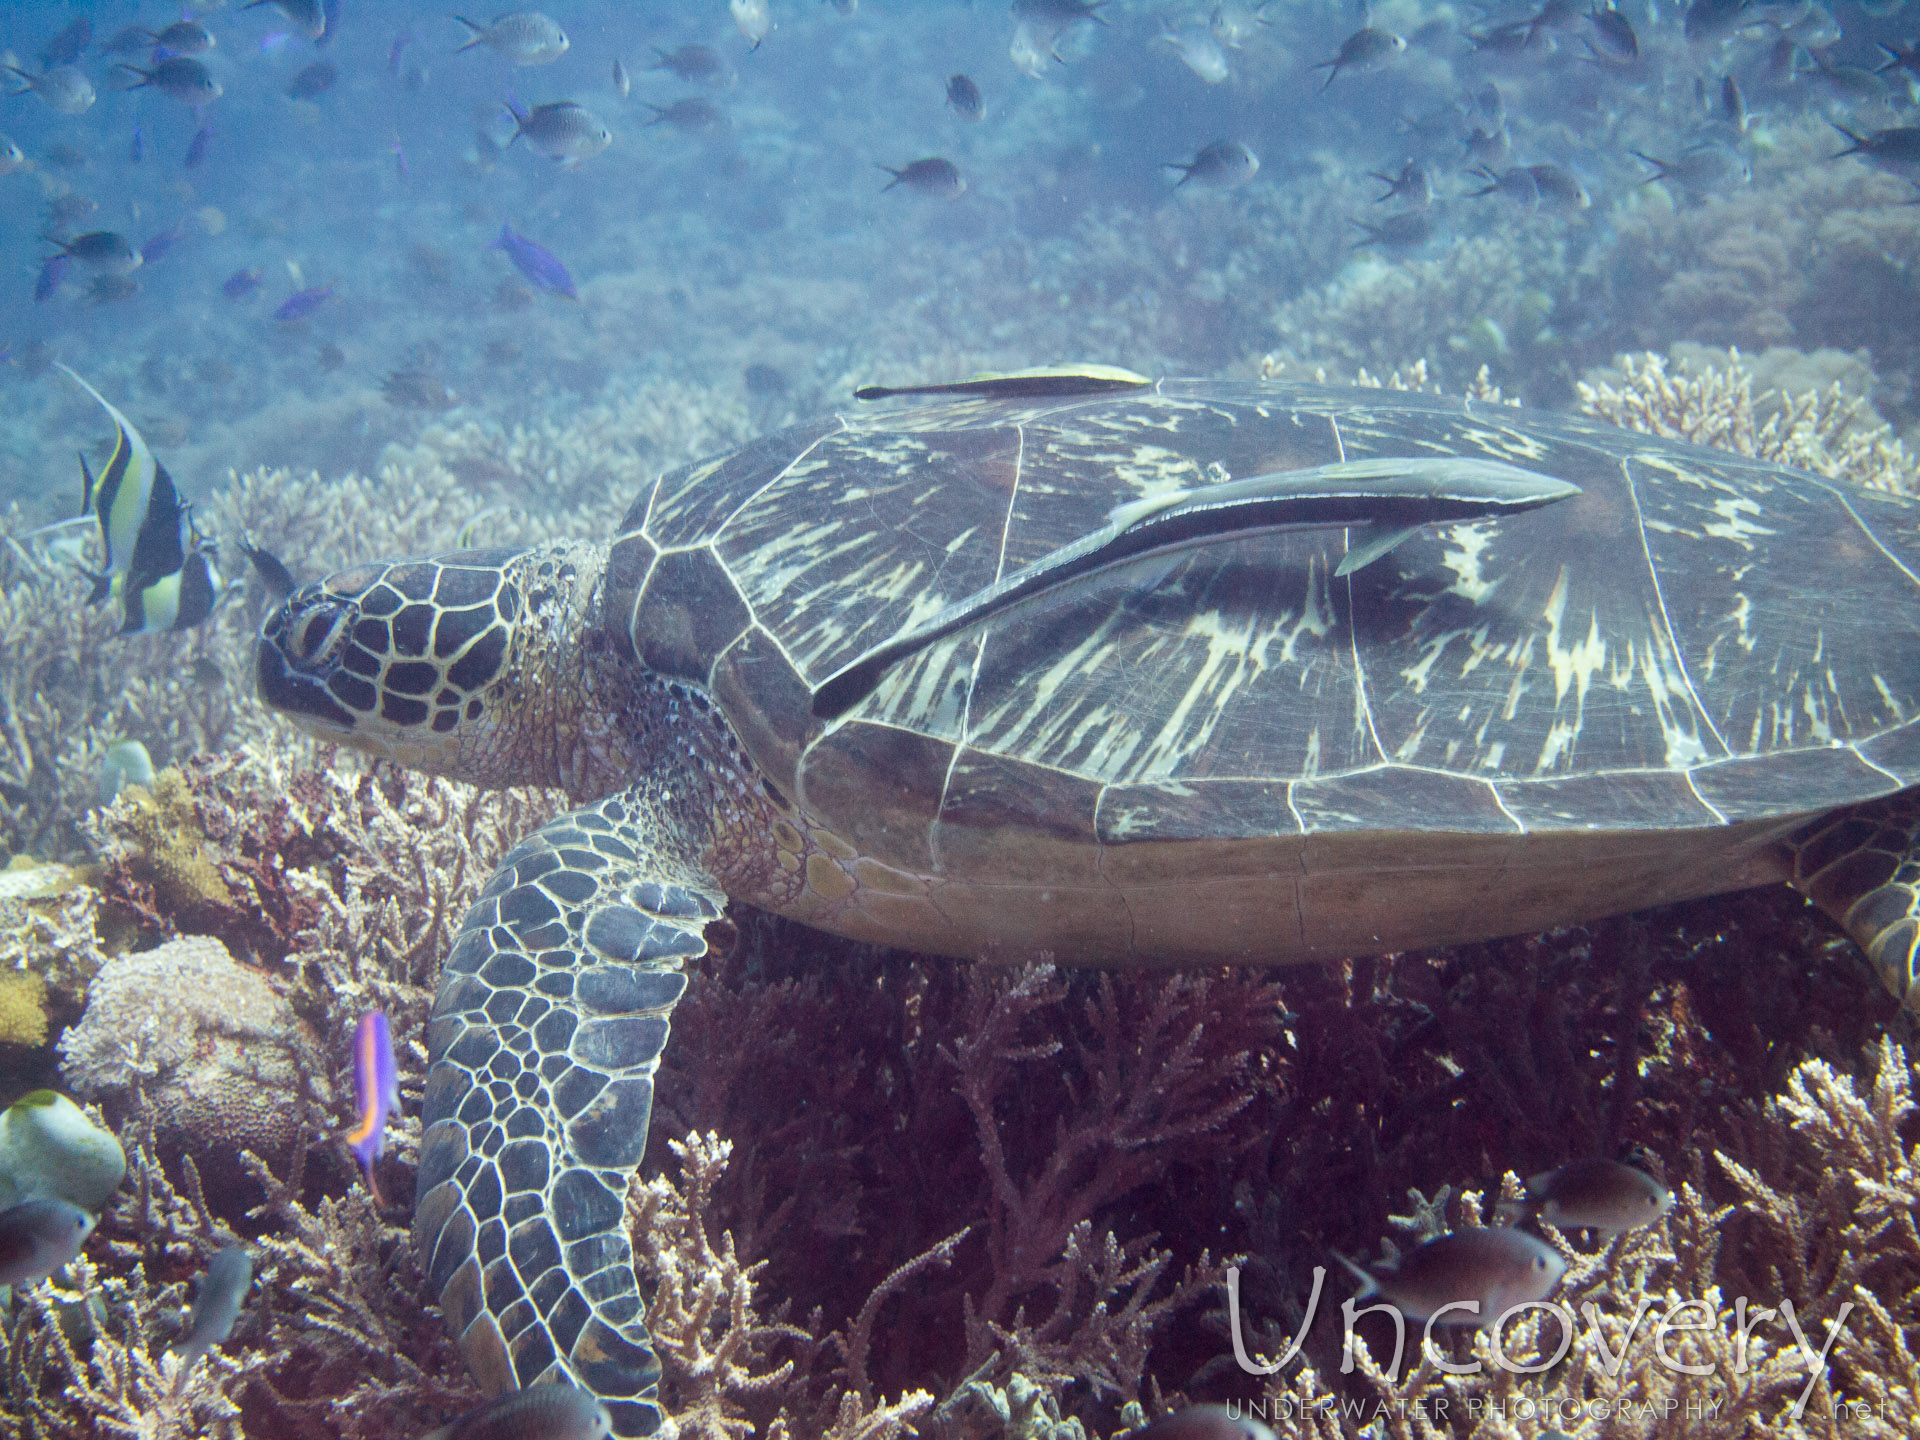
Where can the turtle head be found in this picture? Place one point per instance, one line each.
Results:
(467, 664)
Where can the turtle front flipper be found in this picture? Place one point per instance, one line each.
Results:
(546, 1033)
(1862, 866)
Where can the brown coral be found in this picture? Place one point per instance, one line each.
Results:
(206, 1042)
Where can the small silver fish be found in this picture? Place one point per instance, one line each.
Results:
(563, 131)
(1733, 104)
(11, 156)
(695, 64)
(1234, 24)
(1365, 49)
(752, 18)
(217, 1304)
(1559, 188)
(1613, 38)
(540, 1412)
(1204, 1422)
(1407, 230)
(102, 250)
(309, 17)
(622, 82)
(37, 1237)
(1030, 50)
(1604, 1196)
(65, 90)
(1200, 53)
(1492, 1269)
(1700, 170)
(1414, 185)
(1223, 165)
(525, 37)
(185, 37)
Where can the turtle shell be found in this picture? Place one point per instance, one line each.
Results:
(1697, 641)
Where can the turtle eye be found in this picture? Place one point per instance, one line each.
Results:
(312, 636)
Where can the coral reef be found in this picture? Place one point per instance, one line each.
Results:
(960, 1201)
(200, 1043)
(23, 1009)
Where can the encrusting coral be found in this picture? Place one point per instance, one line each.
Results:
(23, 1009)
(200, 1043)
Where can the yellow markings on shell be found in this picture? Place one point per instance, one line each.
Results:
(1733, 523)
(1574, 667)
(1471, 542)
(827, 879)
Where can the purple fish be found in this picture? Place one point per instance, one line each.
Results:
(300, 306)
(160, 244)
(536, 262)
(52, 274)
(241, 284)
(197, 147)
(376, 1092)
(396, 50)
(400, 165)
(138, 151)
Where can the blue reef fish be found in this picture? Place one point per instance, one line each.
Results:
(1199, 52)
(930, 176)
(313, 80)
(217, 1304)
(1406, 230)
(622, 82)
(103, 250)
(11, 156)
(179, 76)
(376, 1088)
(537, 263)
(1491, 1269)
(241, 284)
(158, 245)
(964, 96)
(695, 64)
(1604, 1196)
(37, 1237)
(197, 146)
(137, 148)
(303, 303)
(540, 1412)
(69, 45)
(53, 274)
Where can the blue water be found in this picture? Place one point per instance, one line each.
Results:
(774, 242)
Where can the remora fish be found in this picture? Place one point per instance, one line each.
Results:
(376, 1092)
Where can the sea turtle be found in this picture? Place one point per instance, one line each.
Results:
(876, 672)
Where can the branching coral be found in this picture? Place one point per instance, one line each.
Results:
(1829, 432)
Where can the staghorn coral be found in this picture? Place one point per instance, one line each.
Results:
(1828, 432)
(201, 1041)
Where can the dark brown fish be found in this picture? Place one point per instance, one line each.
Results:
(930, 176)
(964, 96)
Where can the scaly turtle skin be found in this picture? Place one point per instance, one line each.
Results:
(1699, 674)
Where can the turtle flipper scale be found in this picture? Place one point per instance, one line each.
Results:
(1862, 866)
(546, 1033)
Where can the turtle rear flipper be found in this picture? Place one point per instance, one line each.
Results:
(1862, 866)
(546, 1033)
